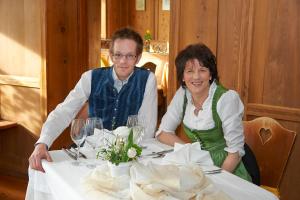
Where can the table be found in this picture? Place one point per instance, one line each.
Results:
(62, 181)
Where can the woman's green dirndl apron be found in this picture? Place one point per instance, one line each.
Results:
(212, 140)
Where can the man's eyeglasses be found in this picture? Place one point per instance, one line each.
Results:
(118, 56)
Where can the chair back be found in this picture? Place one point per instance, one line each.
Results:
(272, 145)
(150, 66)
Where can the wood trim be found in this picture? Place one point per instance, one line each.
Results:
(174, 47)
(248, 37)
(43, 75)
(22, 81)
(276, 112)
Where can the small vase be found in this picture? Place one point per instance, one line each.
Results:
(119, 170)
(147, 45)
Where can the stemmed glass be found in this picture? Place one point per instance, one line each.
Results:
(93, 127)
(78, 135)
(90, 125)
(136, 122)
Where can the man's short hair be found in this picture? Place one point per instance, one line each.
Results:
(128, 33)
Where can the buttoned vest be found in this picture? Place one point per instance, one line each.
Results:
(111, 106)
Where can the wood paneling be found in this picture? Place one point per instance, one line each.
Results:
(21, 104)
(162, 23)
(22, 81)
(202, 16)
(257, 47)
(123, 13)
(20, 37)
(275, 54)
(117, 15)
(66, 48)
(94, 39)
(234, 43)
(142, 20)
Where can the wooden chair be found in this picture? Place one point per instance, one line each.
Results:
(272, 145)
(150, 66)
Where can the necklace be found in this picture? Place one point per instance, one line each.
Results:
(199, 105)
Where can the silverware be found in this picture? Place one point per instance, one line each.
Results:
(159, 153)
(80, 153)
(70, 154)
(214, 171)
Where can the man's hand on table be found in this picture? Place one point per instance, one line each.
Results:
(40, 152)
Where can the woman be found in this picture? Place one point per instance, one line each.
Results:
(211, 114)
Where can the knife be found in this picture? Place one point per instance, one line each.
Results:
(159, 152)
(71, 155)
(80, 153)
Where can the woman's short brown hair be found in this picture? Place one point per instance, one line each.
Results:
(204, 56)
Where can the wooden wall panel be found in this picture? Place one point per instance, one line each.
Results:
(202, 16)
(142, 20)
(123, 13)
(275, 54)
(21, 61)
(66, 48)
(94, 28)
(163, 23)
(198, 23)
(20, 37)
(117, 15)
(257, 46)
(234, 42)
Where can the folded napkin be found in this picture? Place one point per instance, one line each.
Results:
(172, 182)
(151, 182)
(188, 153)
(99, 184)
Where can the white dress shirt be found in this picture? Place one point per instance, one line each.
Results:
(229, 107)
(62, 115)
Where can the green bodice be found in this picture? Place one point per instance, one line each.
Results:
(213, 140)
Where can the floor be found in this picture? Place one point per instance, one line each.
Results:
(12, 188)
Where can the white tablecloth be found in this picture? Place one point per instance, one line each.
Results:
(62, 180)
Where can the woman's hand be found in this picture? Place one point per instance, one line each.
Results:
(169, 138)
(231, 161)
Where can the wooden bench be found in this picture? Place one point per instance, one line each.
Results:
(4, 124)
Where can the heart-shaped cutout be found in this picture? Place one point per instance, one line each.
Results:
(265, 135)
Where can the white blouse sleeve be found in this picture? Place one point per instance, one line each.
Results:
(148, 109)
(173, 117)
(230, 109)
(62, 115)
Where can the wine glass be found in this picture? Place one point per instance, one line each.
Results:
(93, 139)
(78, 135)
(136, 122)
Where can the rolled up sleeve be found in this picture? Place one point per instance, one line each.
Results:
(231, 110)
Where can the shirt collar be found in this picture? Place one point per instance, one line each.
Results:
(116, 79)
(118, 84)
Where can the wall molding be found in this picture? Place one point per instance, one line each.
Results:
(21, 81)
(277, 112)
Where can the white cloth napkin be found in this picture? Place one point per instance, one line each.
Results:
(188, 153)
(171, 182)
(152, 182)
(99, 184)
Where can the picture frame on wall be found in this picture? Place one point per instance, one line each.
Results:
(165, 4)
(140, 4)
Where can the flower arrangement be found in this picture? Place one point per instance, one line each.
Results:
(148, 35)
(121, 150)
(147, 38)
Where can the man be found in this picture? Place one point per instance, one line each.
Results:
(112, 93)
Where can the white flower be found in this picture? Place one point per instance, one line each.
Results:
(131, 153)
(122, 131)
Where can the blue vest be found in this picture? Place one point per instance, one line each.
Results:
(111, 106)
